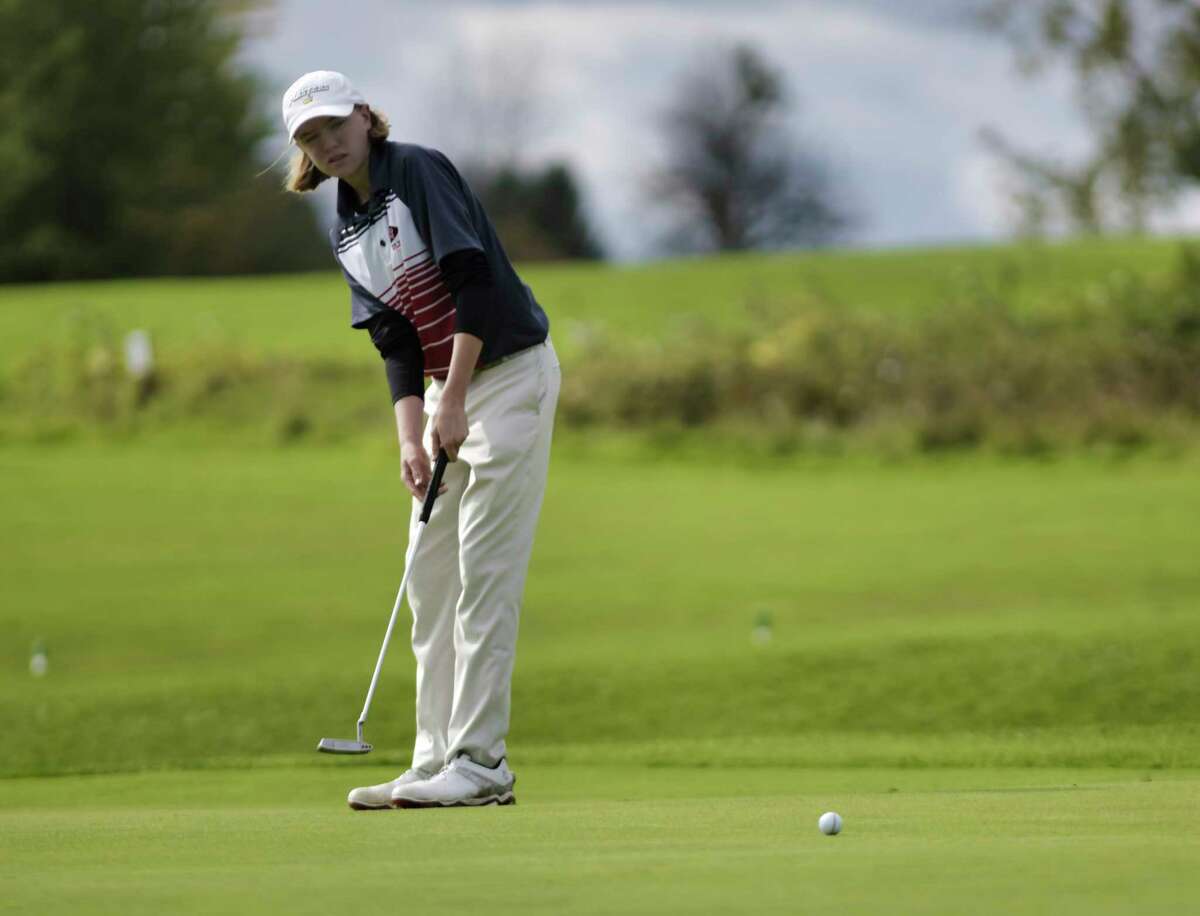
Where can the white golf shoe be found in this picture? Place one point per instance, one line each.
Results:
(462, 783)
(367, 798)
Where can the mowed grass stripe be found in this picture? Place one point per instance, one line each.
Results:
(225, 604)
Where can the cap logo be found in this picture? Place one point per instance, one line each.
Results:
(305, 95)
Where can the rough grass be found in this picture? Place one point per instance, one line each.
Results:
(900, 352)
(308, 314)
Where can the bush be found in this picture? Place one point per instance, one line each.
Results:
(970, 373)
(1119, 369)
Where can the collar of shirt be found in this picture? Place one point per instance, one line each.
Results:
(379, 170)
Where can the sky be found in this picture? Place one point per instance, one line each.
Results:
(890, 94)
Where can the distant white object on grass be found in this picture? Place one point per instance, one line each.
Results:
(830, 823)
(139, 355)
(762, 633)
(38, 662)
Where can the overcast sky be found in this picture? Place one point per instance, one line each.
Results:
(891, 93)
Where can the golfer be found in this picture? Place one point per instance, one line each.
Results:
(430, 281)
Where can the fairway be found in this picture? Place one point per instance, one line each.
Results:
(206, 604)
(606, 839)
(987, 667)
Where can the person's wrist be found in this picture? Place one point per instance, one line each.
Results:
(411, 443)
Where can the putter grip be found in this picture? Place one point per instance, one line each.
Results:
(435, 484)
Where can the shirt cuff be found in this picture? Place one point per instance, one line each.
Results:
(404, 378)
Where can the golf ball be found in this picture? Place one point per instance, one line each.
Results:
(830, 823)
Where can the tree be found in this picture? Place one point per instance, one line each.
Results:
(733, 177)
(1137, 71)
(538, 213)
(129, 144)
(494, 90)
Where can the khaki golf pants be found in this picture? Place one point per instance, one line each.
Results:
(468, 578)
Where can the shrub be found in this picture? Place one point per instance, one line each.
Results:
(1119, 368)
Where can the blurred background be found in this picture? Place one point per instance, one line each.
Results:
(880, 331)
(625, 131)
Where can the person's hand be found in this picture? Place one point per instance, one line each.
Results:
(415, 469)
(449, 428)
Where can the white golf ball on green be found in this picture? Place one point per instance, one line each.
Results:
(830, 823)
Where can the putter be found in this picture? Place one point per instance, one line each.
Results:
(344, 745)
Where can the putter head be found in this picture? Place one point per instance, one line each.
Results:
(343, 746)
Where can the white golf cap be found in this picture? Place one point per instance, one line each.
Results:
(319, 94)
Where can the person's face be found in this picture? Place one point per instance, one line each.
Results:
(336, 146)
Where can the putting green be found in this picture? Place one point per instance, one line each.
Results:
(592, 839)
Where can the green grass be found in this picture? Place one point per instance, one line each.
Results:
(209, 604)
(597, 839)
(1016, 349)
(987, 667)
(307, 315)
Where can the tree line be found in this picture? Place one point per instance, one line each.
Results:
(1136, 71)
(132, 144)
(132, 148)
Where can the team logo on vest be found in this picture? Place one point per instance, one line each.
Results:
(392, 233)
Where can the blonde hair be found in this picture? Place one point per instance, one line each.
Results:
(304, 176)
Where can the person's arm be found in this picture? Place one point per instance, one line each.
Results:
(415, 466)
(409, 413)
(469, 279)
(450, 420)
(468, 276)
(397, 342)
(443, 209)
